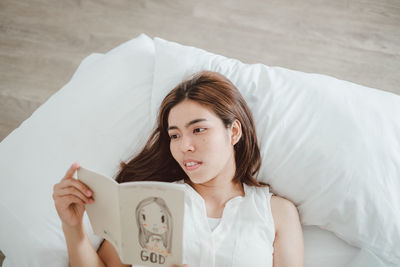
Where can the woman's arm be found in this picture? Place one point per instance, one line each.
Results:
(289, 243)
(80, 250)
(70, 197)
(82, 253)
(109, 254)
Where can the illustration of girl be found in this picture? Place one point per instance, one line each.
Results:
(154, 221)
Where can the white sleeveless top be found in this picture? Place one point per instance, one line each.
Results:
(243, 237)
(213, 222)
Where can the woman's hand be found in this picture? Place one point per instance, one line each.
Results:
(70, 197)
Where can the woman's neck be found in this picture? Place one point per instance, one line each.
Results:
(216, 193)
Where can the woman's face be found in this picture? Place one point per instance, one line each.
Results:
(201, 143)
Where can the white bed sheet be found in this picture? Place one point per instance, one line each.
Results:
(323, 249)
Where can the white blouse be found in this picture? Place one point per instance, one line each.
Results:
(213, 222)
(244, 236)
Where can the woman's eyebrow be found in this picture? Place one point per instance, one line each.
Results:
(187, 124)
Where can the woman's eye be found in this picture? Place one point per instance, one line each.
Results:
(174, 136)
(198, 130)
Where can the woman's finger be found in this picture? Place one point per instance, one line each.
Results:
(65, 201)
(73, 191)
(71, 170)
(74, 183)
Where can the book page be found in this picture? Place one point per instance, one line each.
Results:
(104, 212)
(152, 223)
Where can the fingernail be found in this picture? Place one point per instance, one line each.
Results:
(88, 193)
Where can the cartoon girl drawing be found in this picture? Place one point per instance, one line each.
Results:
(154, 221)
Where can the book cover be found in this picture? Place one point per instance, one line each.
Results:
(143, 220)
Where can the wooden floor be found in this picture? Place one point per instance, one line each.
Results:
(43, 41)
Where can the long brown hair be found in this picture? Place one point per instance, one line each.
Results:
(214, 91)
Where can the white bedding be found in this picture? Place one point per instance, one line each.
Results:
(323, 248)
(343, 174)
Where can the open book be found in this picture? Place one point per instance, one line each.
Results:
(143, 220)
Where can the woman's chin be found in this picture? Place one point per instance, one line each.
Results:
(196, 181)
(199, 180)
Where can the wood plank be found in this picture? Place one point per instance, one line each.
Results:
(42, 42)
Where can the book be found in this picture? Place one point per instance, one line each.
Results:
(143, 220)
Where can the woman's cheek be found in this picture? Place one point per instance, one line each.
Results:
(173, 149)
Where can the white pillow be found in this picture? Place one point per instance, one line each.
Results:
(99, 118)
(330, 146)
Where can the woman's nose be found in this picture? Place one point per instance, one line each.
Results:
(187, 144)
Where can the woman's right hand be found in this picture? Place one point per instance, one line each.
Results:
(70, 196)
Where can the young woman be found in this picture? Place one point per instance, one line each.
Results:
(206, 140)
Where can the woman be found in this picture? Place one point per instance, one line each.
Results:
(205, 139)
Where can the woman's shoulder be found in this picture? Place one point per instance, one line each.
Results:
(283, 211)
(281, 202)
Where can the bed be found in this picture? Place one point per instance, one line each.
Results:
(330, 146)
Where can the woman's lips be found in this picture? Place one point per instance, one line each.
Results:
(191, 164)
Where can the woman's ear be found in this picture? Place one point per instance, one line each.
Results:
(236, 130)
